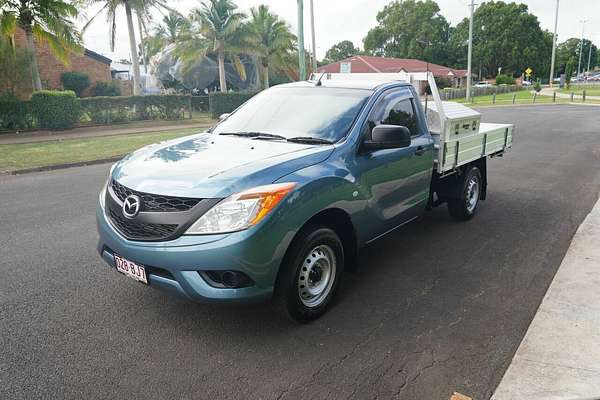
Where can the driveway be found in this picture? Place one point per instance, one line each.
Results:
(435, 307)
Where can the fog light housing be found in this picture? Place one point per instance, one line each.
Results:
(227, 279)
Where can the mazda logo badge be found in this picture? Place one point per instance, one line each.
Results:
(132, 206)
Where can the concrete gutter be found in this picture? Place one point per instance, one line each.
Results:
(62, 166)
(559, 357)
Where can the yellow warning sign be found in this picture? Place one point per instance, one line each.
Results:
(528, 71)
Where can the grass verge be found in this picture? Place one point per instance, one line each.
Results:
(14, 157)
(522, 97)
(590, 90)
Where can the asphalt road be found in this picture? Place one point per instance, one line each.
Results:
(434, 308)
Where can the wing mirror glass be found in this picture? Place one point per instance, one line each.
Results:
(388, 137)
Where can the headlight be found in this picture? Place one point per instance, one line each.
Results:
(241, 210)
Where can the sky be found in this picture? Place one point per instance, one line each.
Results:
(337, 20)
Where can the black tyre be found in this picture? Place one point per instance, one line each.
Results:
(464, 207)
(310, 273)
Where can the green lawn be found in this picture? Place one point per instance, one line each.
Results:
(590, 90)
(523, 97)
(29, 155)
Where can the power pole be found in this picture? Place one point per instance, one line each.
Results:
(554, 45)
(470, 53)
(301, 60)
(581, 45)
(589, 59)
(314, 41)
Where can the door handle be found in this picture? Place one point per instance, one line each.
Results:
(420, 151)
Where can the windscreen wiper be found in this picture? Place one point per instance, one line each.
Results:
(255, 135)
(309, 140)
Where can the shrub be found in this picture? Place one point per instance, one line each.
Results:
(503, 79)
(111, 109)
(14, 113)
(75, 81)
(55, 109)
(106, 89)
(537, 86)
(221, 103)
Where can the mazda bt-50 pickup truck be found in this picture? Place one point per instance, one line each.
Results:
(275, 201)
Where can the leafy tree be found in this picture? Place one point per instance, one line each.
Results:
(569, 72)
(269, 38)
(340, 51)
(568, 51)
(505, 35)
(49, 21)
(410, 29)
(141, 7)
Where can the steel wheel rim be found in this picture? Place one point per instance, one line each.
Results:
(472, 193)
(317, 275)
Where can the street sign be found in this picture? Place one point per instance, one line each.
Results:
(528, 71)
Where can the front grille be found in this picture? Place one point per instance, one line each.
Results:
(140, 230)
(155, 202)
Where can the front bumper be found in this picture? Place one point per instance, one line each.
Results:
(173, 265)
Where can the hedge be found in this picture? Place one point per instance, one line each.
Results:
(14, 113)
(200, 103)
(55, 109)
(222, 103)
(61, 110)
(106, 89)
(115, 109)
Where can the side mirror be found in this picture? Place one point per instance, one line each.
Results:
(388, 137)
(223, 117)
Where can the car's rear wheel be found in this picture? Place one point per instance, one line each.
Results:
(463, 208)
(310, 273)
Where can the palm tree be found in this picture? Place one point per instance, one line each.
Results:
(219, 22)
(141, 7)
(269, 38)
(172, 25)
(48, 21)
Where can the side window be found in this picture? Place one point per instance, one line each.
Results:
(402, 113)
(393, 110)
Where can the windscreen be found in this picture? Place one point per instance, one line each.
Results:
(319, 112)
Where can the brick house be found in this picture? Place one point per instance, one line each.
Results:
(387, 65)
(95, 65)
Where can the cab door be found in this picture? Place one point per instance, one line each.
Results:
(395, 182)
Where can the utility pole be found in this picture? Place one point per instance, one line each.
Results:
(554, 45)
(301, 60)
(470, 53)
(581, 45)
(314, 41)
(589, 59)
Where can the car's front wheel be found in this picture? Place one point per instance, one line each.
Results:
(310, 273)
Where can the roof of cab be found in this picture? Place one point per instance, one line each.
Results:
(347, 84)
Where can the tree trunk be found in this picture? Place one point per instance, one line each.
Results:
(132, 49)
(222, 80)
(266, 75)
(35, 71)
(142, 49)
